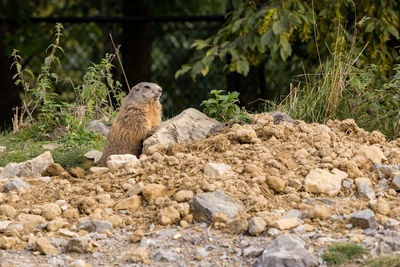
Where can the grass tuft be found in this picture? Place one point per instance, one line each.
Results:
(340, 253)
(384, 261)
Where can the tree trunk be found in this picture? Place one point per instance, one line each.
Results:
(137, 39)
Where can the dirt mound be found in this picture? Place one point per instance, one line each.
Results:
(271, 169)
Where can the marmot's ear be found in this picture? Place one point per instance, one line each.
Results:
(136, 88)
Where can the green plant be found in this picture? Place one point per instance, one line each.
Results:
(223, 107)
(341, 253)
(384, 261)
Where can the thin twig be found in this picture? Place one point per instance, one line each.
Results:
(119, 60)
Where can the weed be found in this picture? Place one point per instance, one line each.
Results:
(384, 261)
(341, 253)
(223, 107)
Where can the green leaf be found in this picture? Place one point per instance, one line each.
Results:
(196, 69)
(242, 67)
(199, 44)
(29, 72)
(393, 31)
(277, 27)
(370, 26)
(183, 70)
(236, 25)
(205, 70)
(285, 48)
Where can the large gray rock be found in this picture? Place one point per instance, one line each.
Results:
(15, 184)
(385, 171)
(95, 226)
(206, 204)
(98, 127)
(188, 126)
(29, 168)
(281, 117)
(364, 219)
(287, 250)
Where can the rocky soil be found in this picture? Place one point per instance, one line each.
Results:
(271, 193)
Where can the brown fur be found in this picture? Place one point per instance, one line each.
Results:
(138, 117)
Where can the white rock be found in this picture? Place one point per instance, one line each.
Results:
(373, 153)
(29, 168)
(51, 146)
(98, 169)
(217, 169)
(120, 161)
(323, 181)
(2, 149)
(188, 126)
(95, 155)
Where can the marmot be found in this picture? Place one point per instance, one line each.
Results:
(138, 117)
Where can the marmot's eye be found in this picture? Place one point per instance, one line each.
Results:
(147, 87)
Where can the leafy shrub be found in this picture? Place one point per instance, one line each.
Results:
(223, 107)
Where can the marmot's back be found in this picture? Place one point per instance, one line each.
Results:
(139, 114)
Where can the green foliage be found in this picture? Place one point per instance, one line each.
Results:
(42, 109)
(384, 261)
(341, 90)
(258, 30)
(223, 107)
(341, 253)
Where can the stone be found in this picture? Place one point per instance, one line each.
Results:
(95, 226)
(364, 219)
(287, 250)
(169, 215)
(167, 255)
(77, 172)
(323, 181)
(115, 162)
(131, 203)
(56, 224)
(319, 212)
(80, 244)
(252, 251)
(279, 117)
(54, 169)
(183, 195)
(238, 225)
(8, 211)
(2, 150)
(50, 211)
(51, 146)
(385, 171)
(293, 213)
(206, 204)
(396, 182)
(43, 245)
(153, 191)
(79, 263)
(98, 127)
(284, 224)
(136, 236)
(217, 169)
(67, 233)
(245, 134)
(30, 221)
(350, 168)
(15, 184)
(380, 206)
(94, 155)
(372, 153)
(135, 190)
(364, 188)
(256, 225)
(138, 255)
(98, 170)
(29, 168)
(4, 224)
(188, 126)
(7, 242)
(276, 183)
(183, 209)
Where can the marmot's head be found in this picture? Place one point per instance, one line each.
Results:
(145, 91)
